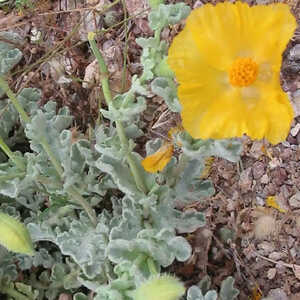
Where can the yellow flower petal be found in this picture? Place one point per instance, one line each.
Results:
(215, 44)
(271, 201)
(268, 29)
(158, 160)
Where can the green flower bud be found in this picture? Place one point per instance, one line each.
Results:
(162, 287)
(14, 235)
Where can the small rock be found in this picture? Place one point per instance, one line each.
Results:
(258, 170)
(295, 52)
(279, 175)
(271, 273)
(277, 294)
(287, 142)
(256, 149)
(231, 205)
(270, 189)
(245, 181)
(198, 3)
(264, 179)
(286, 154)
(276, 255)
(295, 130)
(260, 201)
(290, 141)
(294, 201)
(274, 163)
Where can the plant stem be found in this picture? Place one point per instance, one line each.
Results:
(11, 155)
(4, 86)
(140, 258)
(86, 206)
(52, 157)
(120, 129)
(151, 266)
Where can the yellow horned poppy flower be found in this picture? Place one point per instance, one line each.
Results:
(158, 160)
(227, 61)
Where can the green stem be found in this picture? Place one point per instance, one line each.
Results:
(86, 206)
(151, 266)
(13, 293)
(141, 257)
(120, 129)
(52, 157)
(183, 160)
(4, 86)
(157, 35)
(11, 155)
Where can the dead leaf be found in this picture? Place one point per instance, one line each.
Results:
(256, 294)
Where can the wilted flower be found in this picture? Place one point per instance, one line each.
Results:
(158, 160)
(227, 61)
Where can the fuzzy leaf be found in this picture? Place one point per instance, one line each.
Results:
(166, 88)
(181, 248)
(8, 268)
(168, 14)
(229, 149)
(228, 292)
(125, 109)
(194, 293)
(78, 239)
(190, 186)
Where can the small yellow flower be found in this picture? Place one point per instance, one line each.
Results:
(227, 61)
(158, 160)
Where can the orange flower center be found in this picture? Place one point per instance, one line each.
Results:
(243, 72)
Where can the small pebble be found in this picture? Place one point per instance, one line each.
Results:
(277, 294)
(264, 179)
(295, 130)
(295, 52)
(294, 201)
(271, 273)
